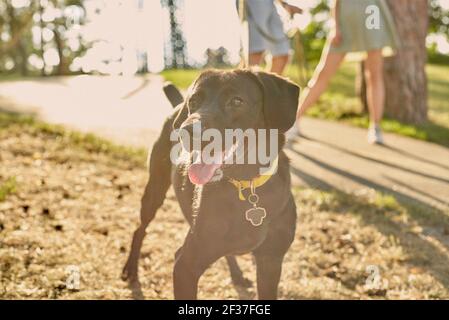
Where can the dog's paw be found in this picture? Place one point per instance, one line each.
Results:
(129, 274)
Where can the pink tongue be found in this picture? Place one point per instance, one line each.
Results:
(201, 173)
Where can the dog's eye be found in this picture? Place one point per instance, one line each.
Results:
(236, 102)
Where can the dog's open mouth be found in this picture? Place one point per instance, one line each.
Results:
(203, 169)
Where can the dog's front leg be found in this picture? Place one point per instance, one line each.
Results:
(153, 198)
(191, 260)
(270, 255)
(268, 275)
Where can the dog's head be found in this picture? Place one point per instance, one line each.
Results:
(238, 99)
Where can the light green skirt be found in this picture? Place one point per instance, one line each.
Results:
(359, 34)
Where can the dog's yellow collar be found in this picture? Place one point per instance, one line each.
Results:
(256, 182)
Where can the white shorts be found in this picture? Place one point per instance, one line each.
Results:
(266, 30)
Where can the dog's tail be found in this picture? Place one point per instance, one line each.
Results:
(173, 94)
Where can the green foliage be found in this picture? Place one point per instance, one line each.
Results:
(438, 19)
(22, 26)
(435, 57)
(314, 35)
(15, 25)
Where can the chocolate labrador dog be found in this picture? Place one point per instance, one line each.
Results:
(232, 208)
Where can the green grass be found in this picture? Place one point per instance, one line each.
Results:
(90, 142)
(181, 78)
(7, 187)
(341, 103)
(16, 77)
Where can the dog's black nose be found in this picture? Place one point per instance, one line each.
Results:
(190, 135)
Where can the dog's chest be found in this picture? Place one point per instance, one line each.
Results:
(222, 203)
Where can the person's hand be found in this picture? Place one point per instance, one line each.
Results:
(291, 9)
(336, 38)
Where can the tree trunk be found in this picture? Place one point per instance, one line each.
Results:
(405, 74)
(22, 59)
(177, 38)
(42, 44)
(62, 66)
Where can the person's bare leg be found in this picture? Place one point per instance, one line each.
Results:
(279, 63)
(329, 64)
(375, 90)
(375, 85)
(255, 59)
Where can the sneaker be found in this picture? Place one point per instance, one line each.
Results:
(375, 135)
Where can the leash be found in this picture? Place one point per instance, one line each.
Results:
(301, 61)
(244, 39)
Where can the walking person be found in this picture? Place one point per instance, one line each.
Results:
(352, 33)
(266, 33)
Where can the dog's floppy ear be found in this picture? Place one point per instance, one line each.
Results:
(178, 102)
(173, 94)
(280, 101)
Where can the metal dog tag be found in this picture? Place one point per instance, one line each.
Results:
(256, 216)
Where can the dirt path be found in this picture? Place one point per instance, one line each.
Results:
(128, 110)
